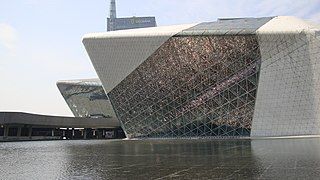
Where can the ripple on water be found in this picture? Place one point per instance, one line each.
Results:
(160, 159)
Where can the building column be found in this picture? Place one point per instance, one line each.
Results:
(104, 133)
(6, 131)
(52, 132)
(84, 133)
(30, 132)
(63, 133)
(19, 132)
(2, 127)
(72, 133)
(115, 133)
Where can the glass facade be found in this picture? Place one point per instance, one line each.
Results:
(86, 98)
(192, 86)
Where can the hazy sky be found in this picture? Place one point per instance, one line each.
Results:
(40, 40)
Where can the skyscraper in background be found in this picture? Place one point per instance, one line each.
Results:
(114, 23)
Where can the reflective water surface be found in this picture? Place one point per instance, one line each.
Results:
(161, 159)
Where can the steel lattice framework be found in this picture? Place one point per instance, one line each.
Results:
(192, 86)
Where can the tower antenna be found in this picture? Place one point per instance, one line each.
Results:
(113, 11)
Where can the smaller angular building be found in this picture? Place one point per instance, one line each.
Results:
(86, 98)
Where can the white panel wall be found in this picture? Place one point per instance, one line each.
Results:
(116, 54)
(289, 86)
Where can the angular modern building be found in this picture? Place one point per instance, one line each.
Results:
(86, 98)
(233, 77)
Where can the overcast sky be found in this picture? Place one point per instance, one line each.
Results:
(40, 40)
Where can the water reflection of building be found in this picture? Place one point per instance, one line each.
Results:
(278, 158)
(202, 80)
(182, 159)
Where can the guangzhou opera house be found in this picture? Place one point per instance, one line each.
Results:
(236, 77)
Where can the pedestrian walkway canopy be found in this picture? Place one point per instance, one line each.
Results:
(20, 118)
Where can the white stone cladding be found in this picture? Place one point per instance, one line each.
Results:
(116, 54)
(288, 96)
